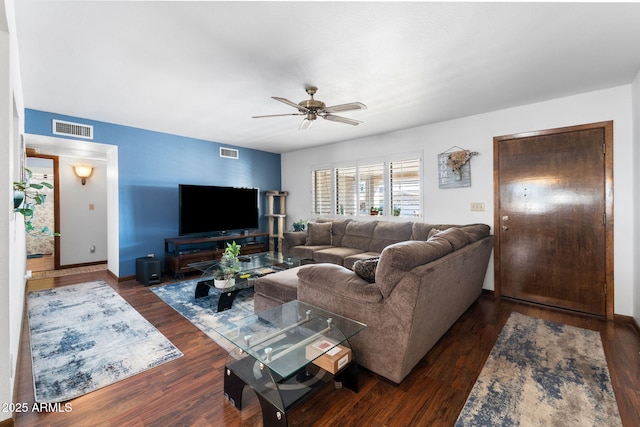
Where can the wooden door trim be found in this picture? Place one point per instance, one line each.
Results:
(56, 204)
(607, 126)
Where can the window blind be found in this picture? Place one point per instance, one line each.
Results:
(321, 191)
(405, 187)
(346, 191)
(371, 191)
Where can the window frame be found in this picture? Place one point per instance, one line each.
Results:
(359, 166)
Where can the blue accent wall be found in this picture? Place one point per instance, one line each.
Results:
(150, 167)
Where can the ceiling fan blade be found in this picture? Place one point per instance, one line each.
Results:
(341, 119)
(277, 115)
(291, 103)
(346, 107)
(306, 124)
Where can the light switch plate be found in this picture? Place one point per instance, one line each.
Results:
(477, 207)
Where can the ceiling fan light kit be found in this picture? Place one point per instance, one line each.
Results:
(312, 109)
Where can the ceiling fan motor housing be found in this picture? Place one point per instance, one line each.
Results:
(311, 104)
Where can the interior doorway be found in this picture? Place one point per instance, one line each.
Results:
(43, 252)
(554, 217)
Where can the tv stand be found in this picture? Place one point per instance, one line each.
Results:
(179, 252)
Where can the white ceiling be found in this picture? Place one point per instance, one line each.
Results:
(202, 69)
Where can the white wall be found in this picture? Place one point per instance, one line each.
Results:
(636, 161)
(12, 234)
(476, 133)
(80, 226)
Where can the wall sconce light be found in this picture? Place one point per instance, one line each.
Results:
(83, 172)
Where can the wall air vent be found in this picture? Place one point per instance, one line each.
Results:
(229, 153)
(77, 130)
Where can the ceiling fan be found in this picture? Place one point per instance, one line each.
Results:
(312, 109)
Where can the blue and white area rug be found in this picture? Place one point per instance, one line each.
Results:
(202, 311)
(541, 373)
(85, 337)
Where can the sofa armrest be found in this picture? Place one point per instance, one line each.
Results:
(336, 281)
(293, 238)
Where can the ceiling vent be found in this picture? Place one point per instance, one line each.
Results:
(77, 130)
(229, 153)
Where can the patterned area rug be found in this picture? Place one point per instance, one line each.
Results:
(202, 311)
(541, 373)
(85, 337)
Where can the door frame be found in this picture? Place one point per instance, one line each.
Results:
(607, 126)
(56, 203)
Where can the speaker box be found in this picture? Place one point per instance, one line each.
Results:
(148, 270)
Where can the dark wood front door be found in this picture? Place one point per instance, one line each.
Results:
(554, 217)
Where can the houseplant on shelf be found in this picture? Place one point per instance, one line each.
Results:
(228, 267)
(299, 225)
(26, 196)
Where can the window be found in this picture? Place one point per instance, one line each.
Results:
(405, 180)
(371, 191)
(346, 191)
(393, 187)
(321, 191)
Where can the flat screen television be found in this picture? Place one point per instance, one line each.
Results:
(209, 210)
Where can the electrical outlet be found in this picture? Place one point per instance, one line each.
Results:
(92, 249)
(477, 207)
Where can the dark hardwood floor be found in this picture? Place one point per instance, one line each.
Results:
(188, 391)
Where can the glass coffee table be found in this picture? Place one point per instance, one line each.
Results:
(286, 354)
(250, 268)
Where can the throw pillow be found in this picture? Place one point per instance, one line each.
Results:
(366, 268)
(318, 234)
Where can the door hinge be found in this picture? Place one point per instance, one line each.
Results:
(604, 148)
(604, 287)
(604, 218)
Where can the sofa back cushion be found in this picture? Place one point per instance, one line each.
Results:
(388, 233)
(397, 259)
(338, 228)
(476, 231)
(358, 234)
(458, 238)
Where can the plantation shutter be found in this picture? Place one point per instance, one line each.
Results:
(321, 192)
(371, 178)
(405, 188)
(346, 191)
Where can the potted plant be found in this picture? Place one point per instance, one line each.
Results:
(299, 225)
(228, 267)
(26, 196)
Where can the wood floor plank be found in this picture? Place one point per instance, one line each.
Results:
(188, 391)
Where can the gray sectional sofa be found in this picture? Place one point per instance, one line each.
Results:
(409, 282)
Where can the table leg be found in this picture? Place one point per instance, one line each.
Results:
(349, 377)
(271, 415)
(233, 387)
(226, 299)
(202, 288)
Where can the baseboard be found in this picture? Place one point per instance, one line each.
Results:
(83, 264)
(7, 423)
(630, 320)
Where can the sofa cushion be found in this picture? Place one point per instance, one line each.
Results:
(458, 238)
(334, 255)
(358, 234)
(337, 229)
(476, 232)
(366, 268)
(318, 233)
(306, 252)
(282, 286)
(399, 258)
(388, 233)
